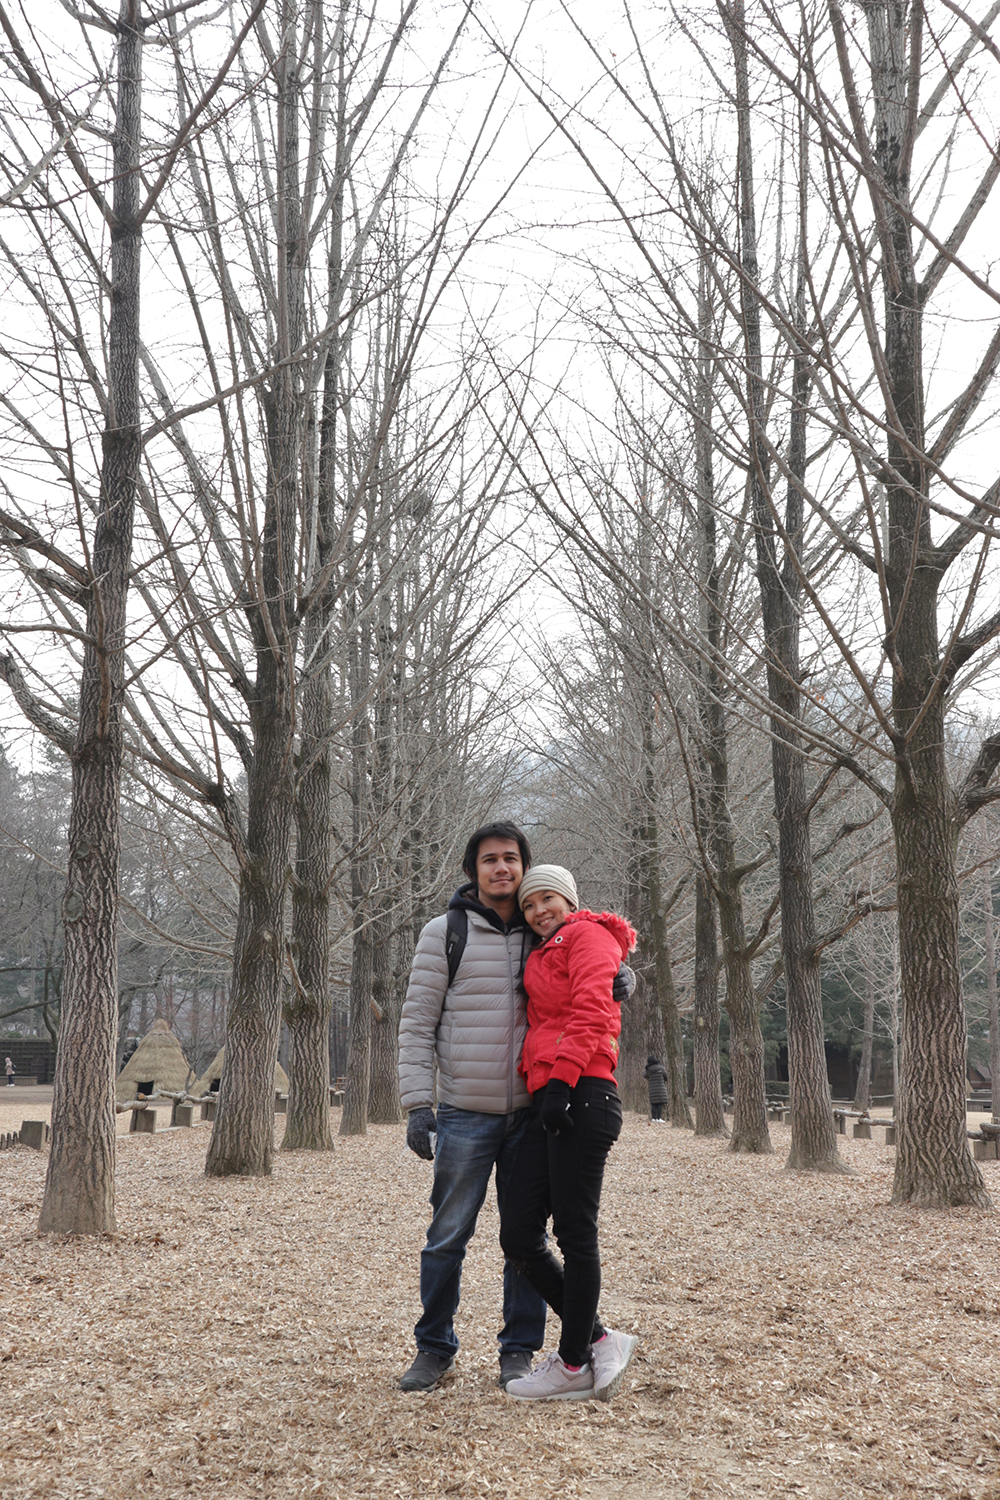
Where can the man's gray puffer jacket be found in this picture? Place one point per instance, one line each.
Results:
(473, 1031)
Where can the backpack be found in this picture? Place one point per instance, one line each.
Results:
(455, 938)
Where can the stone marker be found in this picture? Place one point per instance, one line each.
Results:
(281, 1104)
(143, 1122)
(34, 1133)
(183, 1114)
(208, 1109)
(862, 1130)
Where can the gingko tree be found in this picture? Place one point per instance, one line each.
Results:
(86, 169)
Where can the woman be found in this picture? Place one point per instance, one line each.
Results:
(569, 1060)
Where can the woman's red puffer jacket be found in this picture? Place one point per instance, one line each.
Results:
(573, 1022)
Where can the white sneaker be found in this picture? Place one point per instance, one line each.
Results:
(609, 1359)
(552, 1381)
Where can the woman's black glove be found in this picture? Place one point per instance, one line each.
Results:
(623, 985)
(419, 1127)
(555, 1107)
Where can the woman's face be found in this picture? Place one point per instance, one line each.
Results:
(544, 911)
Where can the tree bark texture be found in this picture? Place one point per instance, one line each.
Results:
(242, 1141)
(746, 1042)
(307, 1011)
(354, 1119)
(383, 1086)
(934, 1167)
(709, 1116)
(79, 1193)
(990, 960)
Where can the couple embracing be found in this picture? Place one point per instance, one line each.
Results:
(514, 998)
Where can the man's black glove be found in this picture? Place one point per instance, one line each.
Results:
(623, 985)
(555, 1107)
(418, 1132)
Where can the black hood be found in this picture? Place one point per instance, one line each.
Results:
(465, 899)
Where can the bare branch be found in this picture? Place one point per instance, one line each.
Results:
(33, 709)
(976, 790)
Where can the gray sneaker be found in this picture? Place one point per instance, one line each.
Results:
(425, 1371)
(554, 1381)
(610, 1359)
(514, 1364)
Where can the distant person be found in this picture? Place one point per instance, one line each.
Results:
(8, 1068)
(655, 1075)
(568, 1064)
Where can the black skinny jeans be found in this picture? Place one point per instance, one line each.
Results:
(561, 1175)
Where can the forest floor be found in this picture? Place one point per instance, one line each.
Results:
(239, 1338)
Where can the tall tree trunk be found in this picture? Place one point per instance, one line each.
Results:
(746, 1042)
(242, 1141)
(863, 1090)
(990, 959)
(79, 1193)
(243, 1136)
(383, 1088)
(307, 1011)
(708, 1111)
(814, 1140)
(354, 1120)
(934, 1167)
(634, 1039)
(307, 1126)
(658, 946)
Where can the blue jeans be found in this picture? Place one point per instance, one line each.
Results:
(469, 1145)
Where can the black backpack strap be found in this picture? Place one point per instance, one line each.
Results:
(455, 937)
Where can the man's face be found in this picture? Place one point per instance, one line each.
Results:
(499, 871)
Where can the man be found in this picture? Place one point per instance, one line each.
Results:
(472, 1027)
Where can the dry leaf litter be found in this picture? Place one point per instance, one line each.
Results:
(241, 1338)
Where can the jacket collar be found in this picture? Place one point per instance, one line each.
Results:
(465, 898)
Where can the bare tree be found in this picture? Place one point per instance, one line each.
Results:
(79, 1194)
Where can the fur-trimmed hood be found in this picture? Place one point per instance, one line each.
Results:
(618, 927)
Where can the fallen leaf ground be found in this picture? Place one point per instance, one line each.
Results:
(243, 1338)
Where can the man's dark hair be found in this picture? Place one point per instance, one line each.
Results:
(494, 831)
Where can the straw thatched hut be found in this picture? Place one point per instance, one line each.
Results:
(159, 1059)
(214, 1072)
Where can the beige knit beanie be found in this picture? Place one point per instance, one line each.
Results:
(549, 878)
